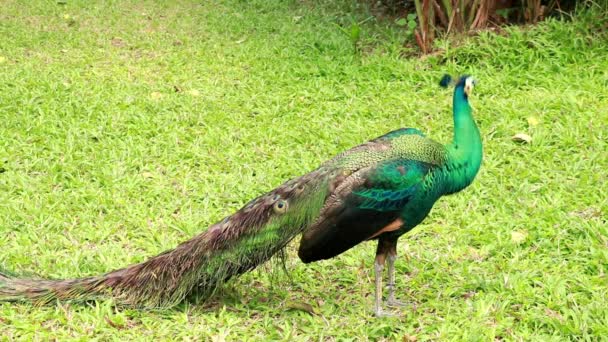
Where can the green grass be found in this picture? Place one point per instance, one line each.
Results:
(128, 127)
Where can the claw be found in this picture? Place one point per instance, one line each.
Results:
(382, 313)
(392, 302)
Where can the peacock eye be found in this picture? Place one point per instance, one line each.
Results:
(280, 206)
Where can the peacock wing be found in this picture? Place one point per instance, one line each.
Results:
(362, 205)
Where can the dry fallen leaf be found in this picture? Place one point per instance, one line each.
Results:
(532, 121)
(522, 137)
(147, 174)
(587, 213)
(117, 42)
(476, 254)
(156, 95)
(554, 314)
(194, 92)
(221, 336)
(410, 338)
(301, 306)
(468, 295)
(113, 324)
(518, 237)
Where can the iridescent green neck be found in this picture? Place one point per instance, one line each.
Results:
(465, 151)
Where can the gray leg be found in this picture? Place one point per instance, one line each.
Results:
(391, 301)
(383, 250)
(378, 268)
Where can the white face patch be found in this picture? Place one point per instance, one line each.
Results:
(469, 83)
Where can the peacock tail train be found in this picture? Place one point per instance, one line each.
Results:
(230, 247)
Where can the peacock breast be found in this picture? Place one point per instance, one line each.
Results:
(421, 204)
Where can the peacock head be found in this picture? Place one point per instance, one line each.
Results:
(465, 82)
(468, 84)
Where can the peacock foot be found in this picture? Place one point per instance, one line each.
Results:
(394, 303)
(384, 313)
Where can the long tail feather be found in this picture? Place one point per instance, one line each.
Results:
(233, 246)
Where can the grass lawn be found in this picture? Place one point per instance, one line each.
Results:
(128, 127)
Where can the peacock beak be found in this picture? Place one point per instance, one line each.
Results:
(469, 85)
(468, 90)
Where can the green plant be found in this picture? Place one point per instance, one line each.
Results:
(408, 23)
(439, 17)
(354, 31)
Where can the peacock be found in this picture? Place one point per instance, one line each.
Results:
(375, 191)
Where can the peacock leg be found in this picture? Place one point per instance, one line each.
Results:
(392, 256)
(381, 254)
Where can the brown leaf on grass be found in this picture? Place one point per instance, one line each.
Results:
(554, 314)
(118, 42)
(155, 95)
(221, 337)
(532, 121)
(147, 175)
(522, 138)
(301, 306)
(114, 325)
(194, 92)
(518, 237)
(476, 254)
(409, 338)
(587, 213)
(468, 295)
